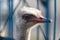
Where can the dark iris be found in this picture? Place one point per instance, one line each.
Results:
(28, 16)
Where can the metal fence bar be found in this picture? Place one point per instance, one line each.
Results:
(38, 28)
(38, 32)
(55, 13)
(10, 18)
(47, 23)
(0, 14)
(24, 3)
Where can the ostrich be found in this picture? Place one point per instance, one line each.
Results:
(26, 19)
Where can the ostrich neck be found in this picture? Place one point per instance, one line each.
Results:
(23, 33)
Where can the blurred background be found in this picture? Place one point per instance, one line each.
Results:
(33, 3)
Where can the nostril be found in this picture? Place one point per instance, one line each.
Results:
(41, 18)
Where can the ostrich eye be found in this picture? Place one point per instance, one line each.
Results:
(28, 16)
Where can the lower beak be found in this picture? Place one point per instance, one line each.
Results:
(39, 20)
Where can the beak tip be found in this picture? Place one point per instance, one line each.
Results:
(49, 21)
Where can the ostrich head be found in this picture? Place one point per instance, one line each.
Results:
(26, 18)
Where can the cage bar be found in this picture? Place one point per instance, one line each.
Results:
(47, 16)
(38, 28)
(55, 13)
(0, 12)
(10, 18)
(0, 15)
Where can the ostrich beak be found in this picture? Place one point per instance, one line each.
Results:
(39, 20)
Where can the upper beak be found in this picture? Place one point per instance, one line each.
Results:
(39, 20)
